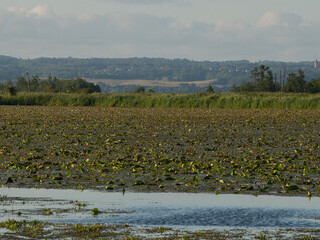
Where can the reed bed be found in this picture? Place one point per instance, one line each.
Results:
(198, 100)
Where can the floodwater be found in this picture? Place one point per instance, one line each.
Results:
(187, 210)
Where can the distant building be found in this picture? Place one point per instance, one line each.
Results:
(316, 63)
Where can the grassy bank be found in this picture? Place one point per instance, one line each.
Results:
(201, 100)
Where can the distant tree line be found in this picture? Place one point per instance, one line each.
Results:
(263, 80)
(124, 68)
(52, 84)
(159, 69)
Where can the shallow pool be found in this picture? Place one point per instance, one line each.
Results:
(197, 210)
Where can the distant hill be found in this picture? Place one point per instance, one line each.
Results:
(186, 72)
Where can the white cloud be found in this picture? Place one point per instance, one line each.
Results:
(16, 10)
(274, 19)
(276, 36)
(269, 19)
(41, 11)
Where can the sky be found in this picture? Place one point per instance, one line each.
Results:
(215, 30)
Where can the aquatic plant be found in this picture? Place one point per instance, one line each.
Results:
(308, 237)
(261, 236)
(3, 197)
(211, 150)
(10, 224)
(159, 229)
(47, 211)
(110, 187)
(90, 231)
(80, 204)
(95, 211)
(138, 183)
(34, 228)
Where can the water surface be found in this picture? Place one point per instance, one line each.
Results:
(162, 209)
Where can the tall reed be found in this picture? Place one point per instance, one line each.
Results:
(198, 100)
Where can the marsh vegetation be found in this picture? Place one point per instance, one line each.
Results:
(148, 99)
(247, 151)
(161, 149)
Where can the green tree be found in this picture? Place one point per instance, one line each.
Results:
(254, 73)
(150, 90)
(265, 81)
(140, 89)
(209, 89)
(313, 86)
(296, 83)
(10, 88)
(246, 87)
(9, 84)
(12, 91)
(2, 87)
(22, 84)
(262, 81)
(34, 83)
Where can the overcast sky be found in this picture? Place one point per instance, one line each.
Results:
(285, 30)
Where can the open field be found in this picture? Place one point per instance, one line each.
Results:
(161, 149)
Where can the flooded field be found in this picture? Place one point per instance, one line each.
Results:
(182, 172)
(160, 149)
(172, 212)
(160, 209)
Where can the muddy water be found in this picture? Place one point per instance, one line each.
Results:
(160, 209)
